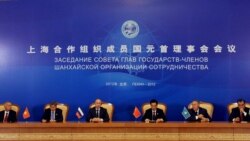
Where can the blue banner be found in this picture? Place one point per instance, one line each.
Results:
(125, 52)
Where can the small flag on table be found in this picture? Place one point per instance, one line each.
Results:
(26, 113)
(185, 113)
(79, 113)
(136, 112)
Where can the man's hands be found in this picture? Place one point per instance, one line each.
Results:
(237, 119)
(45, 121)
(203, 119)
(157, 121)
(147, 120)
(96, 120)
(200, 116)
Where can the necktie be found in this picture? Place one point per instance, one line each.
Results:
(154, 115)
(98, 113)
(6, 117)
(241, 116)
(52, 117)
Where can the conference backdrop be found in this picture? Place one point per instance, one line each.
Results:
(125, 52)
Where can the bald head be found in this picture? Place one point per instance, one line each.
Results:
(98, 103)
(7, 106)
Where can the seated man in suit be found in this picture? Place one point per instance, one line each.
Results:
(52, 114)
(8, 115)
(240, 113)
(98, 113)
(154, 114)
(197, 113)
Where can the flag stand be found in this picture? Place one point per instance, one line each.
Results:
(136, 120)
(26, 120)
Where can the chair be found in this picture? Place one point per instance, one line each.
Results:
(234, 105)
(63, 107)
(208, 106)
(14, 107)
(108, 106)
(147, 106)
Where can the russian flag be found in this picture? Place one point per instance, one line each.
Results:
(79, 113)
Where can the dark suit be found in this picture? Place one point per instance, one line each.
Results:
(236, 113)
(103, 114)
(58, 115)
(11, 117)
(149, 115)
(194, 114)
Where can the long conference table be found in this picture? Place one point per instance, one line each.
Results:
(125, 131)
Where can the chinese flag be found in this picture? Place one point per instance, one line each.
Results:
(26, 113)
(136, 112)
